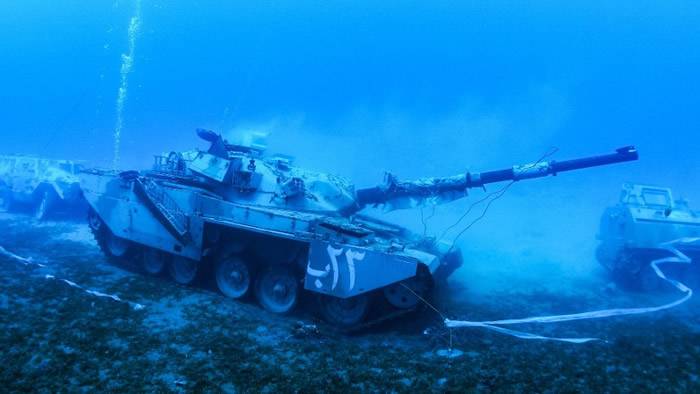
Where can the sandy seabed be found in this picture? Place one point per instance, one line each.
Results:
(58, 338)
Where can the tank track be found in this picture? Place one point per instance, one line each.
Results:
(375, 321)
(379, 313)
(101, 239)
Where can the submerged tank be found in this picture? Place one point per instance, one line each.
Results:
(41, 186)
(632, 234)
(257, 225)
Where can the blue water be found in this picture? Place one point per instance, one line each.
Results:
(582, 75)
(417, 88)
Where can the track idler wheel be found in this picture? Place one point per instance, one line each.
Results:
(183, 270)
(154, 261)
(96, 224)
(277, 289)
(117, 247)
(344, 312)
(233, 277)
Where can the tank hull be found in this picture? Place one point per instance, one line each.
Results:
(332, 257)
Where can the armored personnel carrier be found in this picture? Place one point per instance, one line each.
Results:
(633, 231)
(41, 186)
(259, 225)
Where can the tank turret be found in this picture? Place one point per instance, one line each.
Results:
(235, 167)
(276, 230)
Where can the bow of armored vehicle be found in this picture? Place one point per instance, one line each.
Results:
(634, 231)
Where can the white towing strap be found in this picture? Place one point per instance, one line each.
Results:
(676, 257)
(95, 293)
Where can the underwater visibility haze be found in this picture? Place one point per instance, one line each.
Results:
(358, 135)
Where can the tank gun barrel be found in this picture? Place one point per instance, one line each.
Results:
(439, 187)
(546, 168)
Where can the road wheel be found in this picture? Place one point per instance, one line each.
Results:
(183, 270)
(344, 312)
(408, 293)
(233, 277)
(154, 261)
(277, 289)
(647, 280)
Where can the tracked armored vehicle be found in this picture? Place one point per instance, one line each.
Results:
(43, 187)
(259, 225)
(632, 234)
